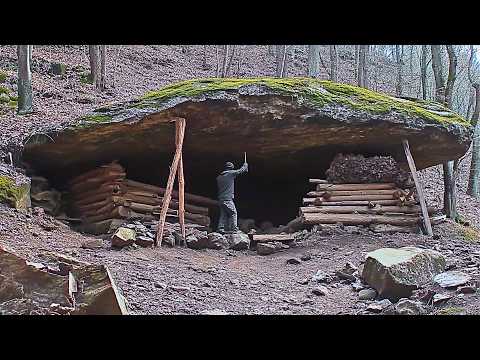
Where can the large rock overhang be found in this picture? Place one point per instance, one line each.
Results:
(290, 128)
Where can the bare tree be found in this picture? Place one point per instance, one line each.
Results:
(271, 49)
(474, 177)
(204, 63)
(443, 94)
(224, 63)
(333, 62)
(423, 71)
(230, 59)
(281, 60)
(362, 66)
(399, 61)
(314, 61)
(24, 80)
(97, 56)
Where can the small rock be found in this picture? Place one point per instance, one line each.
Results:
(379, 306)
(214, 312)
(293, 261)
(320, 290)
(439, 298)
(466, 289)
(357, 286)
(123, 237)
(265, 249)
(217, 241)
(144, 241)
(367, 294)
(280, 246)
(304, 281)
(306, 257)
(92, 244)
(321, 277)
(238, 241)
(160, 285)
(409, 307)
(449, 279)
(182, 289)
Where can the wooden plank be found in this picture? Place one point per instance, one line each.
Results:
(357, 198)
(359, 219)
(319, 202)
(272, 237)
(180, 128)
(341, 187)
(418, 185)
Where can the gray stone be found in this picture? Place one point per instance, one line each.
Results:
(214, 312)
(409, 307)
(280, 246)
(440, 298)
(293, 261)
(367, 294)
(357, 286)
(123, 237)
(320, 290)
(265, 249)
(379, 306)
(306, 257)
(450, 279)
(92, 244)
(144, 241)
(321, 277)
(217, 241)
(194, 242)
(395, 273)
(238, 241)
(467, 289)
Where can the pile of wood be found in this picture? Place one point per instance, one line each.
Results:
(359, 169)
(105, 194)
(361, 204)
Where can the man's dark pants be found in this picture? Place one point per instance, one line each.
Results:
(228, 216)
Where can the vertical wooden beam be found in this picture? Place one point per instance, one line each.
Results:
(180, 130)
(181, 195)
(418, 185)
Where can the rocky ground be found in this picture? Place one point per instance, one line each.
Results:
(185, 281)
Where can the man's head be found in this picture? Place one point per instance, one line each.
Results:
(229, 166)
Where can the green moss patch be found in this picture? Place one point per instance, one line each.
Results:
(13, 194)
(99, 118)
(318, 92)
(451, 311)
(3, 76)
(4, 90)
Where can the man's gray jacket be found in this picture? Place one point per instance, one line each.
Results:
(226, 182)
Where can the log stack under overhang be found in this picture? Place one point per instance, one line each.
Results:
(106, 194)
(361, 204)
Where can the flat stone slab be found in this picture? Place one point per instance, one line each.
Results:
(450, 279)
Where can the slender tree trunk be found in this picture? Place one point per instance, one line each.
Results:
(240, 56)
(231, 59)
(449, 195)
(423, 72)
(362, 66)
(399, 59)
(224, 64)
(103, 67)
(438, 74)
(95, 66)
(333, 63)
(271, 49)
(452, 75)
(217, 71)
(281, 60)
(24, 80)
(474, 177)
(204, 64)
(355, 62)
(313, 60)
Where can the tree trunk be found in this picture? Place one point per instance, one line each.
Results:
(281, 60)
(24, 80)
(355, 65)
(449, 195)
(473, 179)
(271, 49)
(452, 75)
(438, 74)
(204, 64)
(399, 59)
(230, 60)
(95, 65)
(103, 67)
(224, 63)
(313, 60)
(333, 63)
(217, 71)
(423, 72)
(362, 66)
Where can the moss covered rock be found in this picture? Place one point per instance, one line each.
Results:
(15, 194)
(292, 123)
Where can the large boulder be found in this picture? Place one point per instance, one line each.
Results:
(282, 123)
(395, 273)
(15, 191)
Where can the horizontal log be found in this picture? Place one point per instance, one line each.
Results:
(358, 197)
(343, 187)
(317, 181)
(156, 200)
(328, 194)
(108, 187)
(193, 218)
(93, 183)
(379, 209)
(96, 172)
(391, 229)
(92, 206)
(198, 199)
(319, 202)
(360, 219)
(272, 237)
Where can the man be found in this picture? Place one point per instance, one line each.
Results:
(226, 190)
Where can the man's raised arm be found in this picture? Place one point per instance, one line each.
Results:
(242, 170)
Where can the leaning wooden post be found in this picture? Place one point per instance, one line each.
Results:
(180, 130)
(181, 196)
(418, 185)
